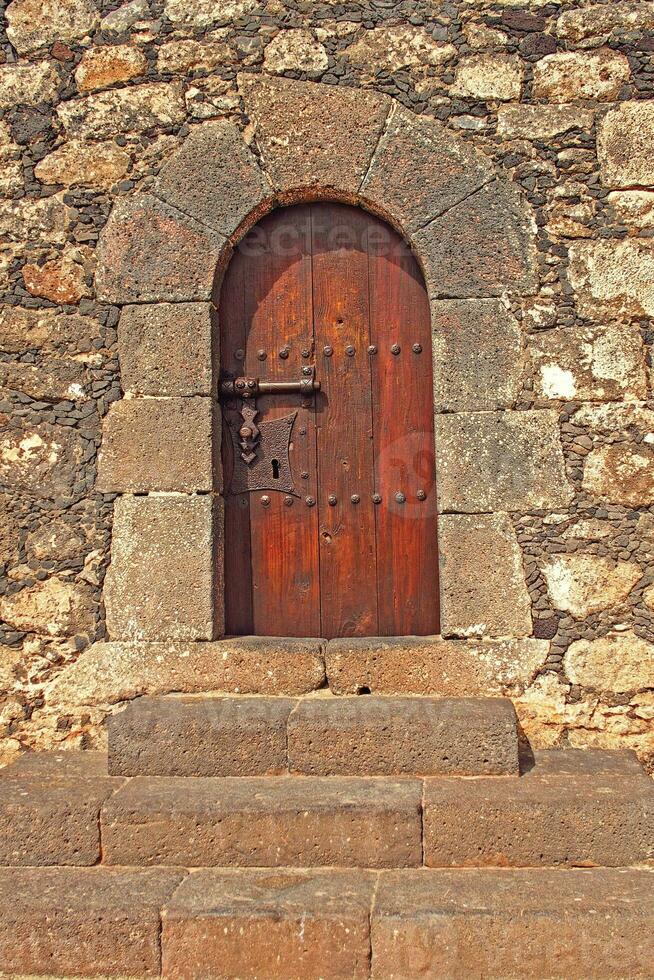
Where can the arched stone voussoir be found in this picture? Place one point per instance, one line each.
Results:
(150, 251)
(214, 177)
(312, 135)
(484, 246)
(420, 170)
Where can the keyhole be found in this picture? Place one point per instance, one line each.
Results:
(275, 469)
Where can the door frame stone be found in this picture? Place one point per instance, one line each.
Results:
(162, 256)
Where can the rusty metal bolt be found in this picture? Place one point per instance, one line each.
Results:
(307, 371)
(395, 349)
(265, 500)
(400, 498)
(261, 354)
(417, 348)
(288, 501)
(376, 498)
(372, 349)
(331, 500)
(421, 495)
(306, 352)
(240, 385)
(355, 498)
(304, 475)
(349, 350)
(245, 432)
(284, 353)
(327, 350)
(239, 354)
(309, 501)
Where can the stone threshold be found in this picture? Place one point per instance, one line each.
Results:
(114, 671)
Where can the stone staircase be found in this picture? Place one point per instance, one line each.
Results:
(325, 837)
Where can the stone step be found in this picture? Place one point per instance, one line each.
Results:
(579, 809)
(334, 924)
(50, 808)
(264, 822)
(325, 736)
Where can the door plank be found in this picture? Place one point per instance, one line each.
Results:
(345, 451)
(407, 558)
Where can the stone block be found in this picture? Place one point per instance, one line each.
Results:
(500, 461)
(47, 331)
(108, 673)
(160, 584)
(200, 736)
(204, 13)
(82, 921)
(499, 924)
(617, 663)
(190, 56)
(272, 924)
(42, 460)
(295, 50)
(165, 349)
(585, 762)
(483, 589)
(28, 84)
(539, 821)
(492, 77)
(574, 75)
(633, 208)
(81, 164)
(157, 444)
(624, 141)
(53, 607)
(621, 474)
(69, 764)
(102, 67)
(264, 822)
(301, 126)
(594, 24)
(432, 665)
(542, 122)
(591, 363)
(395, 48)
(214, 177)
(481, 247)
(583, 584)
(613, 278)
(50, 820)
(142, 227)
(378, 736)
(103, 115)
(32, 25)
(54, 379)
(488, 328)
(420, 170)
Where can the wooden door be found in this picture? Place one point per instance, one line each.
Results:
(330, 496)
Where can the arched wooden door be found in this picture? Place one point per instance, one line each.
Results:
(330, 500)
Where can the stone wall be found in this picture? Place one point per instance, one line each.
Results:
(545, 422)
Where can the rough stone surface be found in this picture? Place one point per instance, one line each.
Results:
(493, 77)
(69, 765)
(621, 473)
(159, 585)
(432, 665)
(184, 56)
(568, 75)
(142, 441)
(538, 122)
(617, 663)
(165, 349)
(601, 363)
(214, 178)
(260, 822)
(108, 673)
(549, 820)
(187, 253)
(275, 924)
(50, 820)
(633, 208)
(83, 921)
(41, 460)
(32, 25)
(288, 113)
(586, 923)
(500, 461)
(295, 50)
(79, 164)
(420, 170)
(374, 736)
(397, 48)
(204, 13)
(613, 278)
(584, 584)
(483, 590)
(61, 280)
(27, 84)
(481, 247)
(623, 145)
(488, 328)
(106, 114)
(595, 24)
(47, 332)
(106, 66)
(201, 736)
(51, 608)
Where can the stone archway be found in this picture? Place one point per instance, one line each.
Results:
(161, 258)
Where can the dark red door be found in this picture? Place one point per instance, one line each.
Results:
(330, 500)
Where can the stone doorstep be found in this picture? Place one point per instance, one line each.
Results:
(285, 923)
(359, 736)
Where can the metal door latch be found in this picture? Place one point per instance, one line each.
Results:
(251, 387)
